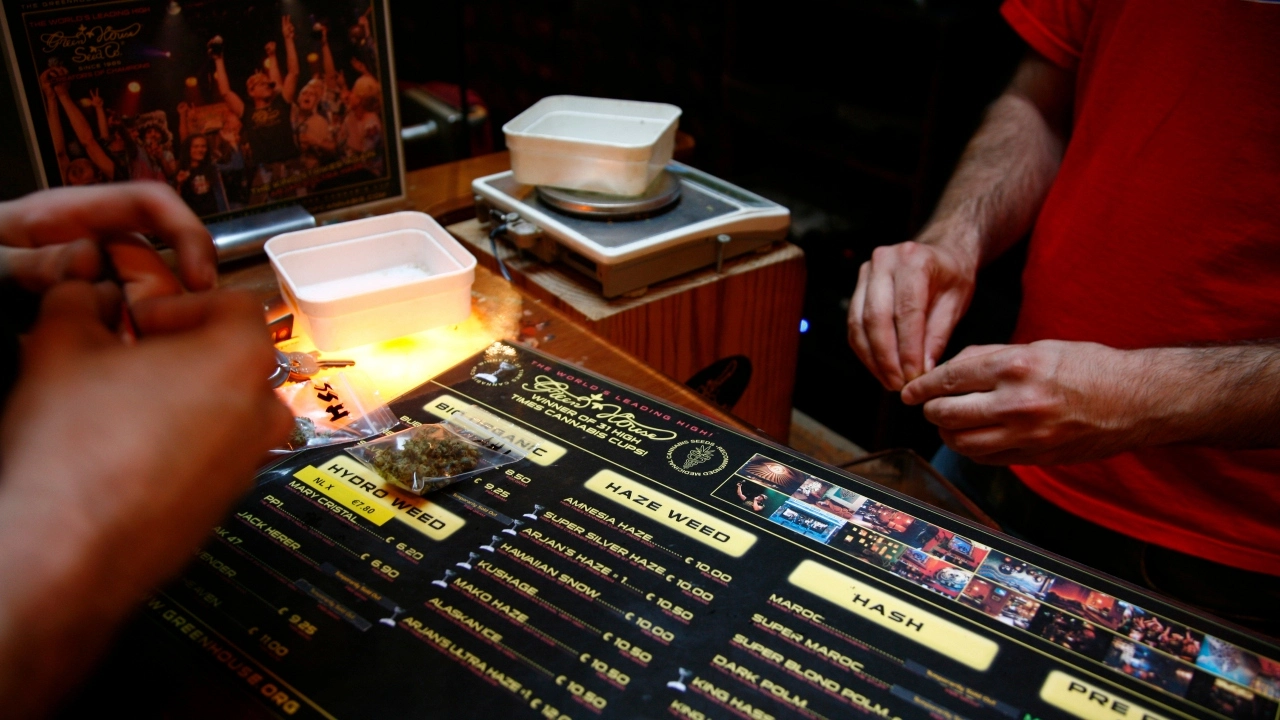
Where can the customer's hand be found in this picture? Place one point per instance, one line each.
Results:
(118, 459)
(1046, 403)
(56, 235)
(141, 447)
(908, 300)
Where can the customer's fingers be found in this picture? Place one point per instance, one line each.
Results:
(70, 318)
(38, 269)
(139, 268)
(59, 216)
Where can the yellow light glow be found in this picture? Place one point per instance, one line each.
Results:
(134, 87)
(313, 58)
(399, 365)
(192, 82)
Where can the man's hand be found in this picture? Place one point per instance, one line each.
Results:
(117, 461)
(1053, 402)
(908, 300)
(1046, 403)
(57, 78)
(910, 296)
(55, 235)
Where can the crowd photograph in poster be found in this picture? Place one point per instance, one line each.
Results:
(236, 105)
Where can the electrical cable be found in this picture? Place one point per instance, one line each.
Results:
(493, 243)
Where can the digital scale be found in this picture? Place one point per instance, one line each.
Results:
(684, 221)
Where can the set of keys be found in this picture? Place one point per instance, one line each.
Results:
(300, 366)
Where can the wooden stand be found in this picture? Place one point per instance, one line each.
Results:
(681, 326)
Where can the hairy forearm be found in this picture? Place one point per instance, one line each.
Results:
(1001, 181)
(1006, 170)
(1226, 396)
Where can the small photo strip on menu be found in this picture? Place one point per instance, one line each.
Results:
(821, 510)
(914, 532)
(1148, 665)
(1227, 661)
(1228, 698)
(1122, 636)
(1011, 608)
(1151, 648)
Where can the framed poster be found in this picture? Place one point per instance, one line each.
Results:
(239, 105)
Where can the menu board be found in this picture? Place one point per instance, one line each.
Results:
(641, 562)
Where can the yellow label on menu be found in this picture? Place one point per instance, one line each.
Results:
(1089, 701)
(419, 513)
(702, 526)
(872, 601)
(369, 508)
(535, 447)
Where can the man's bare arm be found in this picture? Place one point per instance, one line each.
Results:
(1006, 170)
(1054, 402)
(289, 89)
(233, 101)
(84, 133)
(910, 296)
(326, 55)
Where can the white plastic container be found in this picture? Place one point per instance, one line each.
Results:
(375, 279)
(615, 147)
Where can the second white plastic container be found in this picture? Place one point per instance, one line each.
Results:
(616, 147)
(375, 279)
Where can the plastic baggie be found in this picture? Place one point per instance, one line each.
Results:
(333, 407)
(428, 457)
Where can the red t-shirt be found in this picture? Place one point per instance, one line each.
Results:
(1162, 228)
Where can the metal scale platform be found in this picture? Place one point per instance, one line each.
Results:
(686, 220)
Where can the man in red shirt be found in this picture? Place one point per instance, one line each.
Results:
(1139, 141)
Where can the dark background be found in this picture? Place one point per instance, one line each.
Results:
(852, 114)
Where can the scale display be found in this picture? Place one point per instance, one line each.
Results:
(641, 562)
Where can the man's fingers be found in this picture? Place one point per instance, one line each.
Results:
(38, 269)
(943, 317)
(58, 216)
(877, 319)
(974, 351)
(978, 442)
(139, 268)
(179, 313)
(958, 376)
(169, 314)
(962, 412)
(857, 331)
(910, 300)
(236, 318)
(71, 314)
(277, 421)
(110, 303)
